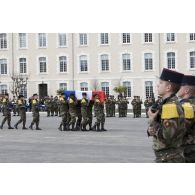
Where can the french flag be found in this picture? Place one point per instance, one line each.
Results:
(90, 94)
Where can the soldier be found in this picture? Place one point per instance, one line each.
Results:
(139, 106)
(120, 106)
(187, 93)
(7, 107)
(134, 105)
(56, 105)
(166, 124)
(125, 105)
(14, 103)
(84, 105)
(100, 116)
(22, 112)
(72, 102)
(113, 102)
(47, 103)
(35, 112)
(64, 112)
(52, 105)
(78, 115)
(1, 103)
(90, 113)
(108, 106)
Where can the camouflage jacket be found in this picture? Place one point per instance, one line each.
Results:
(169, 125)
(35, 106)
(189, 114)
(21, 105)
(63, 105)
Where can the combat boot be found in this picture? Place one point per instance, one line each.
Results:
(84, 128)
(98, 127)
(60, 127)
(94, 128)
(16, 126)
(24, 128)
(90, 127)
(1, 127)
(31, 126)
(64, 127)
(10, 127)
(73, 129)
(37, 128)
(102, 127)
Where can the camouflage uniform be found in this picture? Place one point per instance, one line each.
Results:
(35, 113)
(134, 105)
(84, 105)
(22, 112)
(64, 113)
(7, 107)
(56, 106)
(113, 102)
(48, 105)
(139, 106)
(189, 139)
(125, 103)
(100, 116)
(120, 106)
(90, 113)
(108, 107)
(72, 102)
(170, 130)
(15, 107)
(52, 105)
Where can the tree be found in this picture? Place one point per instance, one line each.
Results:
(60, 91)
(121, 90)
(19, 84)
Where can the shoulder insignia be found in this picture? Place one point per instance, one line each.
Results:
(188, 110)
(19, 102)
(34, 101)
(97, 100)
(71, 101)
(83, 101)
(169, 111)
(4, 100)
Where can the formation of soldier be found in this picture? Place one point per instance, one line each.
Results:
(172, 120)
(76, 114)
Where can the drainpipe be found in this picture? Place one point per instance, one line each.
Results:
(73, 61)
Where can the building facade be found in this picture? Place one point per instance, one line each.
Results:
(46, 62)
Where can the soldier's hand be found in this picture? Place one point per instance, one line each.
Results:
(152, 115)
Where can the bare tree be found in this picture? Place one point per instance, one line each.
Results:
(19, 84)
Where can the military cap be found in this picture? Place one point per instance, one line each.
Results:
(35, 94)
(171, 76)
(188, 80)
(84, 93)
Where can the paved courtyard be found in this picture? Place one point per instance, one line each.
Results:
(125, 141)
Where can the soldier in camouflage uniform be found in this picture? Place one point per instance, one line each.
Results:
(56, 105)
(148, 103)
(14, 103)
(120, 105)
(90, 113)
(47, 103)
(22, 112)
(139, 106)
(100, 116)
(187, 93)
(52, 105)
(125, 106)
(108, 106)
(35, 112)
(1, 103)
(72, 102)
(7, 107)
(166, 124)
(84, 105)
(64, 113)
(113, 102)
(134, 106)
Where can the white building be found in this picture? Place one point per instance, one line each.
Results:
(89, 61)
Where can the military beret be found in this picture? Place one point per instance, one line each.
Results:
(171, 76)
(188, 80)
(6, 94)
(84, 93)
(35, 94)
(20, 96)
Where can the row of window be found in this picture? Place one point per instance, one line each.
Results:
(84, 87)
(83, 39)
(104, 63)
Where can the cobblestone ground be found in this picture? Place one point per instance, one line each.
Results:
(125, 141)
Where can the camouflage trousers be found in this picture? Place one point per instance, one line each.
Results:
(22, 114)
(171, 155)
(189, 153)
(7, 117)
(36, 118)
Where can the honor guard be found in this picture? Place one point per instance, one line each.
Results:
(166, 124)
(21, 104)
(187, 95)
(35, 112)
